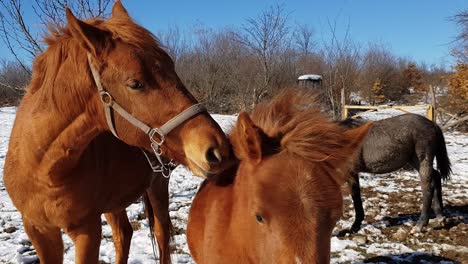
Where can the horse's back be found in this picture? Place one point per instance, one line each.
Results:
(391, 143)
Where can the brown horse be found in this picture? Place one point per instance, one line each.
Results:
(64, 168)
(285, 196)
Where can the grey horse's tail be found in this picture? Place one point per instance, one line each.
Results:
(443, 162)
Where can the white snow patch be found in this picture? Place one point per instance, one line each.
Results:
(388, 248)
(338, 245)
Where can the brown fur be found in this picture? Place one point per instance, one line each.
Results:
(293, 161)
(64, 169)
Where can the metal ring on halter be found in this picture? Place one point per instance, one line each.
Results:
(163, 172)
(154, 140)
(106, 98)
(156, 149)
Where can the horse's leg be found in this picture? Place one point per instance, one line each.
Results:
(357, 202)
(437, 205)
(47, 242)
(121, 234)
(87, 239)
(427, 187)
(158, 199)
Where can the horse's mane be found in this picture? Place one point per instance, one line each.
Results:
(295, 120)
(61, 47)
(350, 123)
(120, 28)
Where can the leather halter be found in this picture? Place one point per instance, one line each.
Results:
(156, 135)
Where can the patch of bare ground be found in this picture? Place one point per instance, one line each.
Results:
(391, 216)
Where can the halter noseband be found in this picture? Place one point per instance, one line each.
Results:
(156, 135)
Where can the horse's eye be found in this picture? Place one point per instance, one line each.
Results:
(259, 218)
(134, 84)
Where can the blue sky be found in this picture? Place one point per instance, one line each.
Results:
(416, 29)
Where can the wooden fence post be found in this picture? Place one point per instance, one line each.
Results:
(433, 104)
(344, 113)
(430, 113)
(344, 110)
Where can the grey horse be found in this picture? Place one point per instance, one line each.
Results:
(391, 144)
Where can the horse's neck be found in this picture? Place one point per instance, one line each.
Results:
(63, 153)
(226, 220)
(58, 117)
(58, 140)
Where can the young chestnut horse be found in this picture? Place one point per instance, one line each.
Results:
(285, 195)
(391, 144)
(64, 168)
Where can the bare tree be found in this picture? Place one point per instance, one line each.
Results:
(303, 39)
(265, 36)
(52, 11)
(174, 42)
(342, 68)
(18, 35)
(460, 50)
(435, 76)
(212, 68)
(15, 33)
(13, 79)
(307, 59)
(379, 64)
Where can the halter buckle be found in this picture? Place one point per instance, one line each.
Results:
(106, 98)
(159, 139)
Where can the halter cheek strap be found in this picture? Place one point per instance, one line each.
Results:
(156, 135)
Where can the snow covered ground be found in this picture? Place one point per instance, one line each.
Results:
(391, 203)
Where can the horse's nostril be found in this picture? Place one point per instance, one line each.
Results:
(213, 156)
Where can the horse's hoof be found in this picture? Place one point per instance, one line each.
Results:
(439, 221)
(419, 227)
(355, 228)
(341, 233)
(416, 229)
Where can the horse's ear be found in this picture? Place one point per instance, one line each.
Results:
(247, 140)
(357, 135)
(89, 37)
(119, 11)
(354, 138)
